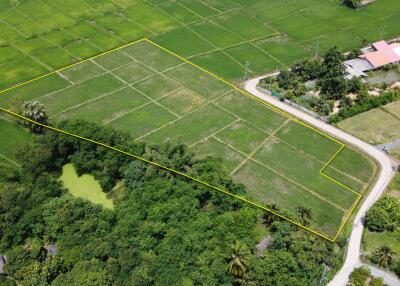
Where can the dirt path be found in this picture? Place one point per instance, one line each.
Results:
(386, 174)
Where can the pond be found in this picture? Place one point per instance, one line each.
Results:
(85, 187)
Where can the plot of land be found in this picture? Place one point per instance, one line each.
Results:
(276, 158)
(38, 36)
(377, 126)
(13, 137)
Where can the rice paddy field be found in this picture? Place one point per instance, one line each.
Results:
(156, 96)
(37, 36)
(13, 137)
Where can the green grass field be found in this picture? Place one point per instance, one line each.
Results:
(39, 36)
(13, 137)
(85, 187)
(276, 158)
(377, 126)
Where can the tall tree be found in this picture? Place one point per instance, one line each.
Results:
(305, 215)
(333, 63)
(238, 259)
(269, 217)
(35, 111)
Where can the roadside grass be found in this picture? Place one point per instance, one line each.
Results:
(36, 37)
(162, 98)
(85, 187)
(13, 137)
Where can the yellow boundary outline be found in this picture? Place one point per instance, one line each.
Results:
(342, 145)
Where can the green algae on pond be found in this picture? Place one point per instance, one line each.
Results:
(85, 187)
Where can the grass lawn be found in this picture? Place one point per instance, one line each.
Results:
(374, 240)
(157, 97)
(36, 37)
(85, 187)
(375, 126)
(13, 138)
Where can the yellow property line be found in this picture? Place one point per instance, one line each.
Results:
(183, 174)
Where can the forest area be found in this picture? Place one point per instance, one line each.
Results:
(163, 229)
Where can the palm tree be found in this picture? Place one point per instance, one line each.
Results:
(246, 280)
(305, 215)
(238, 260)
(384, 255)
(269, 217)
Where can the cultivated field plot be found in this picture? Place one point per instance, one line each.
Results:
(156, 96)
(13, 137)
(220, 35)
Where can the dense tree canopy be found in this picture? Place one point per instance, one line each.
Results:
(163, 229)
(384, 215)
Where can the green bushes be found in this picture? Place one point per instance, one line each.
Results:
(362, 277)
(384, 215)
(364, 104)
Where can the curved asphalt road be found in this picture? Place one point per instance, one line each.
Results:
(386, 174)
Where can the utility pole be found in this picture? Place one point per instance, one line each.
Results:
(383, 31)
(317, 49)
(246, 70)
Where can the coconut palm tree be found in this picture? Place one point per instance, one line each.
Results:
(269, 217)
(384, 255)
(305, 215)
(238, 260)
(246, 280)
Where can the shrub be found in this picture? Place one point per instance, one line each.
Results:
(384, 215)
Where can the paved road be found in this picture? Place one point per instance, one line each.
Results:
(386, 174)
